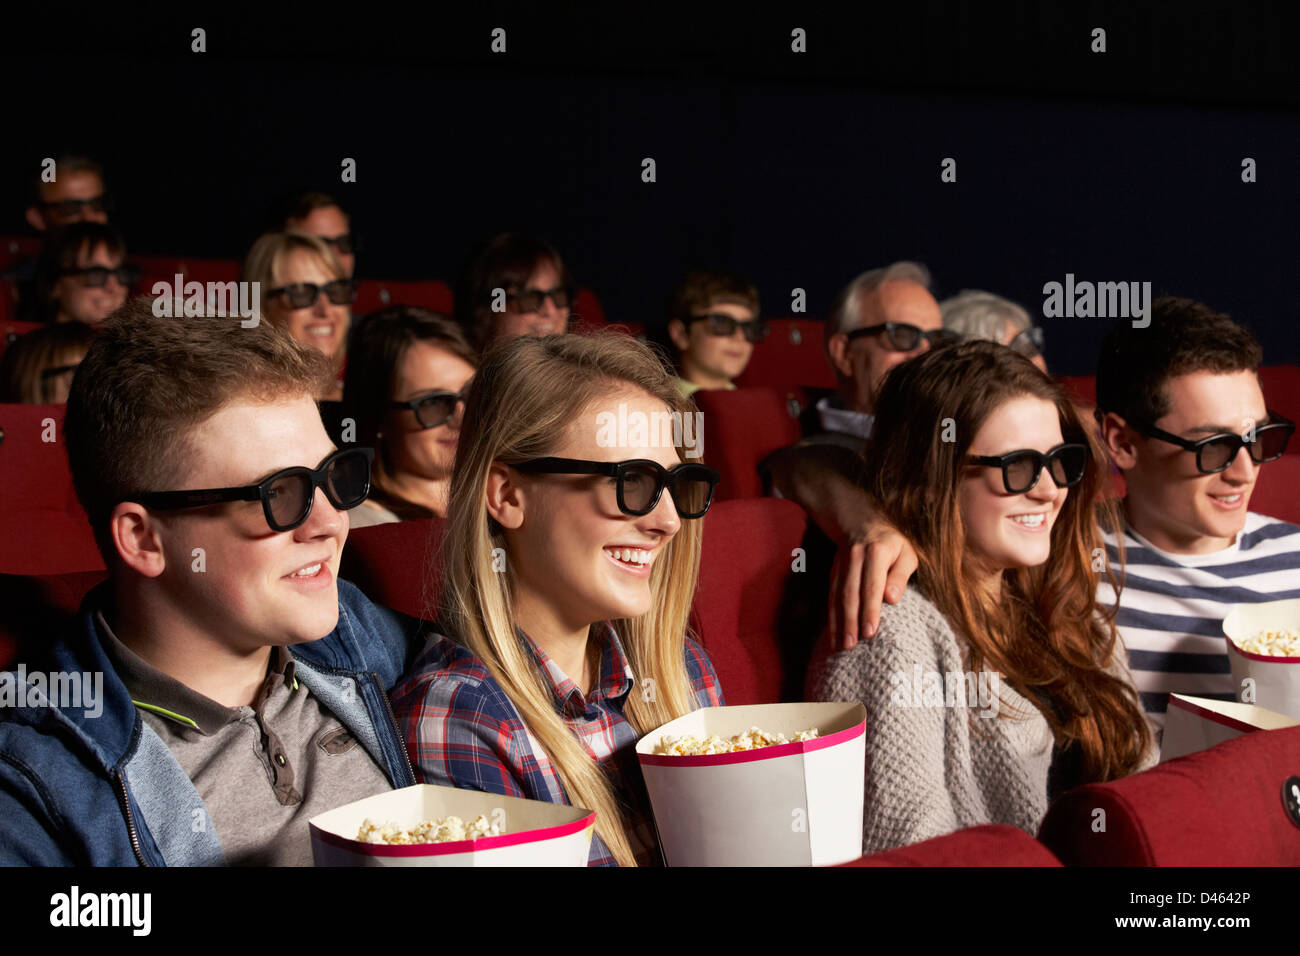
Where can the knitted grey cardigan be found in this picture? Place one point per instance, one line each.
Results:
(933, 767)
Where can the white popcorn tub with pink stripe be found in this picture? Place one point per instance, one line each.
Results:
(796, 804)
(1193, 724)
(1276, 680)
(536, 833)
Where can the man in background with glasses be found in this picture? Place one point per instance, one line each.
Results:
(243, 684)
(879, 320)
(714, 326)
(77, 194)
(1184, 418)
(320, 215)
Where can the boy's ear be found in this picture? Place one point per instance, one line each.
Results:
(1118, 439)
(136, 536)
(35, 218)
(678, 334)
(504, 502)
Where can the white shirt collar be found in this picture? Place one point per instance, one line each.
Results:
(835, 419)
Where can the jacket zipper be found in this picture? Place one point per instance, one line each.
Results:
(130, 823)
(401, 742)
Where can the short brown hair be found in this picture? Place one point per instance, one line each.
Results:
(702, 288)
(1183, 336)
(148, 379)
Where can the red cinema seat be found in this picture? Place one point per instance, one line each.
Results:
(376, 294)
(15, 249)
(993, 844)
(587, 310)
(1220, 807)
(1281, 385)
(746, 567)
(741, 428)
(33, 462)
(165, 269)
(791, 356)
(11, 330)
(46, 532)
(396, 564)
(1275, 488)
(1081, 388)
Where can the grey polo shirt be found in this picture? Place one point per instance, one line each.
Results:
(263, 770)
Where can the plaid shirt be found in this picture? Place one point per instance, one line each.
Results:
(463, 731)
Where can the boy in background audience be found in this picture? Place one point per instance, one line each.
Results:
(714, 326)
(243, 685)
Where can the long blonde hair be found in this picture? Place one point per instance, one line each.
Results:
(525, 394)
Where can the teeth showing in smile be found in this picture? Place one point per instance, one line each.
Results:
(1228, 499)
(306, 572)
(629, 555)
(1031, 521)
(321, 330)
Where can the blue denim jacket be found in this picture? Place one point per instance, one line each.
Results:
(104, 790)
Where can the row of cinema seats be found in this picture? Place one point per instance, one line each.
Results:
(1224, 806)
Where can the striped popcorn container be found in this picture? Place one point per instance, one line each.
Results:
(532, 832)
(1264, 653)
(792, 804)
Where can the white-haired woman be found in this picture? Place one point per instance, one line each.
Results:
(974, 314)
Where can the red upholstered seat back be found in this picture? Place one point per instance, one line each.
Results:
(1218, 807)
(397, 564)
(1275, 488)
(1081, 388)
(33, 470)
(45, 530)
(993, 844)
(1281, 386)
(791, 356)
(587, 310)
(374, 294)
(741, 428)
(745, 570)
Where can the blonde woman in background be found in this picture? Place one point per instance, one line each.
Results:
(569, 568)
(305, 292)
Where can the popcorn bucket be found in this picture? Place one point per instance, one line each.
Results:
(1276, 680)
(1197, 723)
(535, 833)
(796, 804)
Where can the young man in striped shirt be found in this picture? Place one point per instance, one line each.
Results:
(1184, 419)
